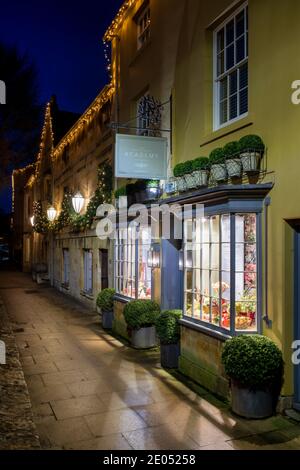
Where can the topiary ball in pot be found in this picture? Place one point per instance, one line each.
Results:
(179, 173)
(168, 331)
(255, 367)
(232, 159)
(217, 165)
(105, 303)
(201, 171)
(188, 175)
(251, 151)
(140, 316)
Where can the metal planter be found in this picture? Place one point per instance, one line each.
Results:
(250, 161)
(219, 172)
(181, 184)
(107, 320)
(234, 167)
(144, 338)
(190, 181)
(169, 355)
(201, 178)
(255, 404)
(171, 186)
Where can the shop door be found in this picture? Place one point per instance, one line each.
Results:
(297, 317)
(104, 268)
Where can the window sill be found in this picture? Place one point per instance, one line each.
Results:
(88, 295)
(122, 298)
(227, 130)
(189, 323)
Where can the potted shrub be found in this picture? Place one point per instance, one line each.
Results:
(106, 306)
(168, 331)
(232, 160)
(188, 175)
(120, 193)
(179, 172)
(140, 316)
(254, 365)
(251, 151)
(201, 171)
(152, 190)
(217, 165)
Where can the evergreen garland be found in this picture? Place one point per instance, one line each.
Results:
(41, 223)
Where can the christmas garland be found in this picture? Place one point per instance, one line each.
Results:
(67, 216)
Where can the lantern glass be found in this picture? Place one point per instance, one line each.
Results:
(78, 202)
(51, 213)
(32, 220)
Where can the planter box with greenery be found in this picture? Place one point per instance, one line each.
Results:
(255, 366)
(232, 160)
(180, 170)
(251, 151)
(140, 316)
(200, 173)
(168, 331)
(106, 306)
(217, 165)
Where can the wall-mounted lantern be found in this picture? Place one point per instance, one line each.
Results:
(51, 214)
(32, 220)
(153, 259)
(78, 202)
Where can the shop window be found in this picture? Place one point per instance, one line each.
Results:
(231, 68)
(88, 271)
(220, 271)
(143, 27)
(66, 267)
(132, 274)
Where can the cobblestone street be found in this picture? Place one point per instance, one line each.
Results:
(90, 391)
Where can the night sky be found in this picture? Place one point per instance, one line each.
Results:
(64, 39)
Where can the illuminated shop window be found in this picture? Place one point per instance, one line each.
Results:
(132, 274)
(220, 271)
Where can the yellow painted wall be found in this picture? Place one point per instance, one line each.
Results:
(274, 63)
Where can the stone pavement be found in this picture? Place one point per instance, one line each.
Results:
(90, 391)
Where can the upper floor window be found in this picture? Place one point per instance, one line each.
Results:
(143, 27)
(231, 69)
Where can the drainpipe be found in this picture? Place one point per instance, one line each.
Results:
(266, 259)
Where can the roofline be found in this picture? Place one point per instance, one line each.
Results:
(111, 31)
(100, 99)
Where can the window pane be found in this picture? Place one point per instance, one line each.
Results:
(233, 111)
(220, 40)
(223, 89)
(240, 24)
(215, 256)
(223, 112)
(229, 57)
(233, 82)
(240, 49)
(220, 64)
(243, 76)
(215, 228)
(244, 101)
(229, 32)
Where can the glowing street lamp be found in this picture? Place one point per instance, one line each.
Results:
(51, 214)
(78, 202)
(32, 220)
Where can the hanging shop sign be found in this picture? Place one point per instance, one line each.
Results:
(140, 157)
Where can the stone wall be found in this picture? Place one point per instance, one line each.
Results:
(200, 359)
(17, 429)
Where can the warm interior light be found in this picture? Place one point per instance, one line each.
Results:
(78, 202)
(51, 213)
(153, 258)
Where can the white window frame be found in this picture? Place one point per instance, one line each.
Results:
(143, 30)
(88, 271)
(216, 78)
(66, 266)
